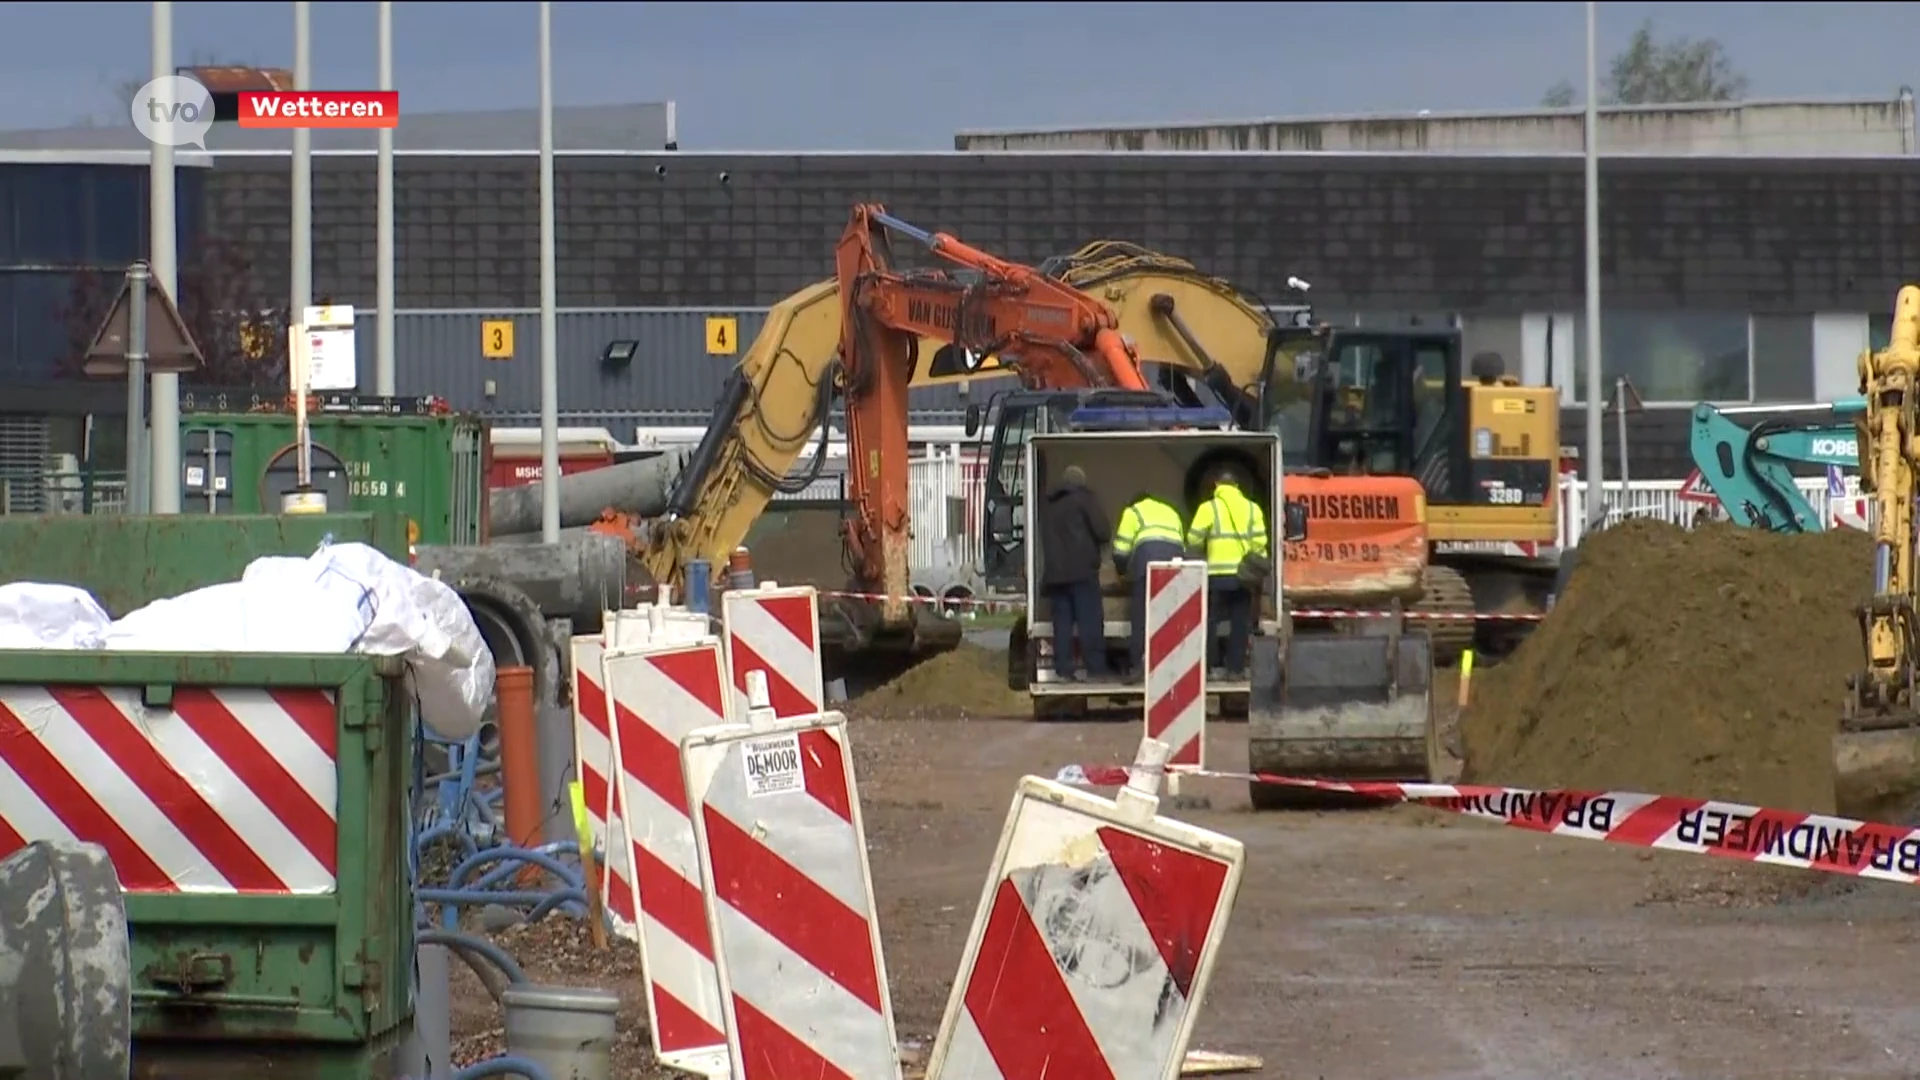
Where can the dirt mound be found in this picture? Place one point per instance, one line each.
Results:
(1709, 663)
(968, 683)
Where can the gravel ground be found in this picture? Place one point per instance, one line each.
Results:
(1400, 942)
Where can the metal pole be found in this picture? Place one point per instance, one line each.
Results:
(549, 287)
(137, 277)
(1620, 430)
(383, 226)
(164, 480)
(1596, 459)
(300, 274)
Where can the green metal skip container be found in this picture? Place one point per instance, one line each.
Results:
(430, 468)
(255, 806)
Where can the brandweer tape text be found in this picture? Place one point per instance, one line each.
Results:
(1851, 845)
(1551, 808)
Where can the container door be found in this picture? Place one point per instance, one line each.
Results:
(468, 480)
(206, 467)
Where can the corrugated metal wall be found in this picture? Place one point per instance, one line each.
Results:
(671, 380)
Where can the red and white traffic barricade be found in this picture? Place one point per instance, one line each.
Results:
(789, 896)
(1176, 659)
(1095, 938)
(777, 631)
(593, 765)
(661, 692)
(231, 790)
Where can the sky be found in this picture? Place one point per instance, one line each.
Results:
(906, 76)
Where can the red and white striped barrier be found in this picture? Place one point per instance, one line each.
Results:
(1095, 938)
(1176, 659)
(789, 896)
(660, 693)
(593, 763)
(227, 791)
(777, 631)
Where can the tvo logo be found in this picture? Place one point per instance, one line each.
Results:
(173, 110)
(1836, 448)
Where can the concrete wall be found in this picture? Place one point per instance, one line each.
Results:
(1760, 128)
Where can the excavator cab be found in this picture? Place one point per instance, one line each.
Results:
(1018, 416)
(1477, 450)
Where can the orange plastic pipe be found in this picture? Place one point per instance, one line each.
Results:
(519, 754)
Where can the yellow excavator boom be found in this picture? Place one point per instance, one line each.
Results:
(781, 388)
(1877, 751)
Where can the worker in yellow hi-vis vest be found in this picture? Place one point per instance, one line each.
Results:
(1148, 532)
(1229, 530)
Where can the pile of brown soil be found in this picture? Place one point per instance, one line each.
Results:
(969, 683)
(1710, 663)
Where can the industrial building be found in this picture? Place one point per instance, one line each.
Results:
(1847, 128)
(1745, 279)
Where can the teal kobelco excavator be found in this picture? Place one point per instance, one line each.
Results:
(1750, 468)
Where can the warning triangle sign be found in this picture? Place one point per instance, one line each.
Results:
(170, 348)
(1696, 489)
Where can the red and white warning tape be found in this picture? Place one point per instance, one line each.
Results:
(1700, 826)
(1301, 613)
(973, 602)
(1422, 616)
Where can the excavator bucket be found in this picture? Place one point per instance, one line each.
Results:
(1876, 767)
(1342, 707)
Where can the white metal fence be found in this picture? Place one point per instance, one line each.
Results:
(1660, 500)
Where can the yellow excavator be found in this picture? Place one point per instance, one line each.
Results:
(1343, 401)
(1484, 448)
(1876, 753)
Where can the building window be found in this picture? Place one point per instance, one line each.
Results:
(1670, 357)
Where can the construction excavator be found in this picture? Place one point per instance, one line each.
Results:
(1385, 421)
(862, 341)
(1749, 468)
(1876, 753)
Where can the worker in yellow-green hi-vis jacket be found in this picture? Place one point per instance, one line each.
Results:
(1148, 532)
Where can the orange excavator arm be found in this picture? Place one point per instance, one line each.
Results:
(1052, 334)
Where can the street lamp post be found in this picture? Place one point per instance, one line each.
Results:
(300, 277)
(1595, 469)
(383, 360)
(163, 438)
(549, 331)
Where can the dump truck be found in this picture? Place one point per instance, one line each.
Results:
(1353, 703)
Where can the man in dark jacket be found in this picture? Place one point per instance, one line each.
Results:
(1073, 529)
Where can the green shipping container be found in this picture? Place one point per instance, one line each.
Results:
(430, 468)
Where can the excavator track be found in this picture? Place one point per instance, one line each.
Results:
(1445, 591)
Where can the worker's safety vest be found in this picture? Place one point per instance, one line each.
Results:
(1229, 525)
(1145, 522)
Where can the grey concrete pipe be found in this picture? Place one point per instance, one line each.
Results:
(639, 488)
(578, 578)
